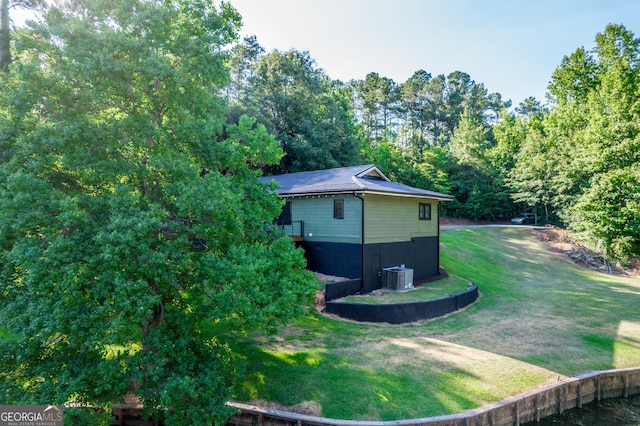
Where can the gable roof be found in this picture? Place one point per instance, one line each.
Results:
(356, 179)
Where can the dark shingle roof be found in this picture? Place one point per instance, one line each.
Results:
(367, 178)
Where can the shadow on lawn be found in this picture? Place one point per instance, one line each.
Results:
(548, 311)
(346, 390)
(539, 317)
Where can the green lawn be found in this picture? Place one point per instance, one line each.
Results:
(429, 291)
(538, 318)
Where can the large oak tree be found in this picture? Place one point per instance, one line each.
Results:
(131, 214)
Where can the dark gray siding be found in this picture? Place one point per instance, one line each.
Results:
(339, 259)
(419, 254)
(345, 260)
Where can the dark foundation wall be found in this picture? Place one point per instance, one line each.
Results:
(345, 260)
(420, 254)
(339, 259)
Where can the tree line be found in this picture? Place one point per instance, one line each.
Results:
(572, 161)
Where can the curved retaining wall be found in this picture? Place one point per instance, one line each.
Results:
(338, 289)
(530, 406)
(401, 313)
(527, 407)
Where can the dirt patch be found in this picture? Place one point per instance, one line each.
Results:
(561, 243)
(321, 301)
(330, 278)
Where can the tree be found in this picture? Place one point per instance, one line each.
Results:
(470, 142)
(420, 110)
(388, 157)
(531, 179)
(609, 149)
(379, 99)
(436, 91)
(431, 108)
(5, 37)
(573, 152)
(5, 27)
(573, 79)
(607, 214)
(476, 183)
(531, 107)
(432, 172)
(464, 94)
(133, 223)
(304, 110)
(441, 127)
(242, 63)
(509, 132)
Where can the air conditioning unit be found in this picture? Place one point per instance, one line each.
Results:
(397, 278)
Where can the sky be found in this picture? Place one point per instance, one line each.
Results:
(510, 46)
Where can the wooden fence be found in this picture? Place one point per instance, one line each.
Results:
(530, 406)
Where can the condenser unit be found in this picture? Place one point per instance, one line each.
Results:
(398, 278)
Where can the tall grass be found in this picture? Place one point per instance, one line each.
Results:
(539, 318)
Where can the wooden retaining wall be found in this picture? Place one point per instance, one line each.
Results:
(530, 406)
(527, 407)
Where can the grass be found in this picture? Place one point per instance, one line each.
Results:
(428, 291)
(539, 318)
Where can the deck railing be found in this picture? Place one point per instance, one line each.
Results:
(294, 229)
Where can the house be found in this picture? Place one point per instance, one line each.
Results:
(353, 222)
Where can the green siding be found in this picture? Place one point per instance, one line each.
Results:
(319, 224)
(395, 219)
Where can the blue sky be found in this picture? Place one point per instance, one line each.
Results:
(510, 46)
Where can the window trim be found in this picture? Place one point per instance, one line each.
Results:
(424, 211)
(338, 208)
